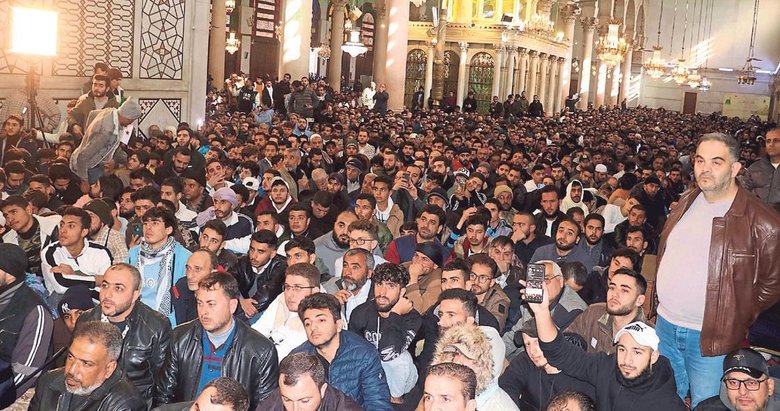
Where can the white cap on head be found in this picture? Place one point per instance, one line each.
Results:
(601, 168)
(642, 334)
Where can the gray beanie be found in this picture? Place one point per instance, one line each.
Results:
(130, 109)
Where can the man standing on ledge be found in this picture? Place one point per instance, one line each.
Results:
(718, 268)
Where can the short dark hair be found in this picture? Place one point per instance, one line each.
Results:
(295, 365)
(101, 332)
(569, 220)
(301, 207)
(162, 213)
(638, 229)
(229, 392)
(576, 271)
(265, 237)
(303, 243)
(641, 282)
(435, 210)
(225, 280)
(174, 183)
(628, 253)
(458, 264)
(305, 270)
(476, 219)
(595, 216)
(41, 179)
(368, 197)
(561, 400)
(320, 301)
(391, 273)
(323, 198)
(15, 167)
(483, 259)
(216, 225)
(462, 373)
(466, 297)
(82, 215)
(549, 189)
(146, 193)
(14, 200)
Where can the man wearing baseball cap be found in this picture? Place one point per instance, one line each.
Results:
(636, 377)
(745, 385)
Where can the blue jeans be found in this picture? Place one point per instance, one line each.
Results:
(691, 370)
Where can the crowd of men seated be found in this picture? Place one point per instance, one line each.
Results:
(300, 251)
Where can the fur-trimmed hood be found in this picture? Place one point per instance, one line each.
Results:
(473, 339)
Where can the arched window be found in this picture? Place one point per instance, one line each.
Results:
(415, 74)
(451, 62)
(481, 79)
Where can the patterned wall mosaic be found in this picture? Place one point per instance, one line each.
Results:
(86, 39)
(161, 112)
(162, 39)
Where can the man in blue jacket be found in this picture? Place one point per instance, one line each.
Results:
(353, 364)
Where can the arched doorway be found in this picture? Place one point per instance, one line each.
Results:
(415, 74)
(451, 62)
(481, 79)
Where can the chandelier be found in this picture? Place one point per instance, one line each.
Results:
(694, 79)
(324, 52)
(611, 47)
(705, 84)
(656, 66)
(354, 47)
(232, 44)
(748, 74)
(230, 5)
(680, 72)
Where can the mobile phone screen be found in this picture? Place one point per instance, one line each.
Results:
(535, 278)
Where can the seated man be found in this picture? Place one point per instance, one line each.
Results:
(353, 364)
(745, 385)
(212, 237)
(260, 274)
(302, 385)
(450, 386)
(637, 371)
(222, 394)
(355, 286)
(280, 321)
(201, 263)
(218, 346)
(91, 378)
(484, 272)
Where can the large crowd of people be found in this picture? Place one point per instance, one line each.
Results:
(309, 248)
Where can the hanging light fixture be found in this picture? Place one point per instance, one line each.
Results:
(232, 44)
(748, 74)
(705, 84)
(324, 52)
(230, 5)
(680, 71)
(656, 66)
(354, 46)
(611, 47)
(694, 78)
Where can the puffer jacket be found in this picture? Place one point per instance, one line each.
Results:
(356, 370)
(116, 393)
(744, 269)
(269, 282)
(251, 360)
(763, 180)
(143, 347)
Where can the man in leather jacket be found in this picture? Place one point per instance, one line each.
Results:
(145, 332)
(216, 345)
(260, 274)
(718, 268)
(99, 387)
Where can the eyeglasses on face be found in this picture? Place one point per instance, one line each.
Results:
(295, 288)
(480, 277)
(360, 241)
(548, 280)
(750, 384)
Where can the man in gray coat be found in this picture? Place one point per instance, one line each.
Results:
(101, 140)
(762, 177)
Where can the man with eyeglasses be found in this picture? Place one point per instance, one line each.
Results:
(280, 321)
(745, 385)
(489, 294)
(362, 234)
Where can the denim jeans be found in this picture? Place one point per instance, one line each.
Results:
(692, 372)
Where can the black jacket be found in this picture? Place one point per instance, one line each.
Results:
(333, 400)
(143, 348)
(116, 393)
(251, 360)
(268, 283)
(392, 335)
(600, 369)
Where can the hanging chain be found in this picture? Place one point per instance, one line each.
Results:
(709, 34)
(753, 30)
(660, 17)
(685, 31)
(674, 23)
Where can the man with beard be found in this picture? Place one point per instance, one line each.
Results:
(218, 346)
(641, 376)
(525, 237)
(91, 379)
(353, 364)
(594, 244)
(531, 381)
(600, 322)
(260, 274)
(429, 224)
(96, 99)
(180, 161)
(390, 323)
(567, 236)
(101, 231)
(212, 238)
(145, 333)
(238, 225)
(550, 214)
(330, 246)
(194, 190)
(484, 272)
(595, 289)
(354, 287)
(745, 386)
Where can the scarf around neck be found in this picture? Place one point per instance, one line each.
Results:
(164, 256)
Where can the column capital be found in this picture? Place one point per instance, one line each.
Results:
(512, 50)
(543, 56)
(561, 60)
(464, 46)
(499, 48)
(570, 12)
(523, 51)
(552, 58)
(543, 7)
(589, 23)
(533, 53)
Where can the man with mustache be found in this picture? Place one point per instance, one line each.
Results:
(145, 332)
(355, 286)
(91, 379)
(330, 246)
(567, 237)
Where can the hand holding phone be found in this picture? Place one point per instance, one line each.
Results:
(534, 281)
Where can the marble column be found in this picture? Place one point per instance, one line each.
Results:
(217, 43)
(588, 27)
(615, 85)
(510, 72)
(429, 72)
(563, 84)
(497, 72)
(601, 84)
(398, 38)
(462, 80)
(552, 86)
(625, 87)
(380, 43)
(336, 40)
(543, 80)
(569, 14)
(521, 77)
(296, 45)
(533, 72)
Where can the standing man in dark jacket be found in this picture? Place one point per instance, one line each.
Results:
(380, 100)
(535, 109)
(246, 97)
(729, 243)
(636, 377)
(145, 332)
(215, 345)
(91, 379)
(303, 99)
(762, 177)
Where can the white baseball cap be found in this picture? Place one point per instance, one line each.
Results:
(642, 333)
(251, 183)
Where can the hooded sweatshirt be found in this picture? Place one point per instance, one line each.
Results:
(599, 369)
(567, 201)
(721, 402)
